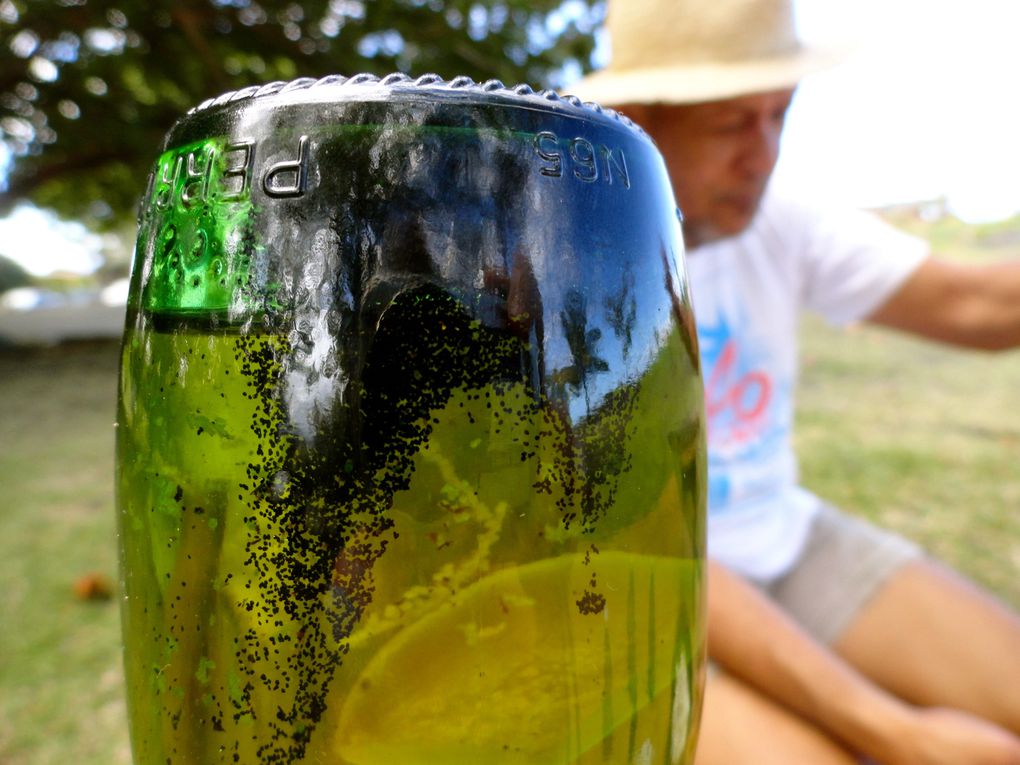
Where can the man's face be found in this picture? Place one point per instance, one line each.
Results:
(720, 155)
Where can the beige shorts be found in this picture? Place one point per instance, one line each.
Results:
(845, 561)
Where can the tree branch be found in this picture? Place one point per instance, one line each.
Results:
(20, 187)
(189, 23)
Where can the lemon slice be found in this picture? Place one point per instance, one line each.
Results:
(533, 664)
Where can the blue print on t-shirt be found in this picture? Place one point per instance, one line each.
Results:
(746, 428)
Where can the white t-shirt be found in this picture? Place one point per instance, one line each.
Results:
(748, 291)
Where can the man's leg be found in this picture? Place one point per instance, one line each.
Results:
(742, 727)
(932, 638)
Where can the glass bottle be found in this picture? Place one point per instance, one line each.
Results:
(410, 456)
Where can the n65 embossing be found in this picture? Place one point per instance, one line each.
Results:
(586, 161)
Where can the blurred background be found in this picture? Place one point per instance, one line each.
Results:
(920, 110)
(919, 123)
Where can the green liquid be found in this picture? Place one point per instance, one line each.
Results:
(465, 577)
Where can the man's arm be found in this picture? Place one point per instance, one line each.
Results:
(973, 305)
(756, 642)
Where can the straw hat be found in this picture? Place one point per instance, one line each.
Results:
(685, 51)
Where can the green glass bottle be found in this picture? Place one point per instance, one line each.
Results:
(410, 455)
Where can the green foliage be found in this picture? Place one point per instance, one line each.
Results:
(87, 89)
(918, 437)
(12, 275)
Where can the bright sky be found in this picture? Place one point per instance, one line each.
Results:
(42, 244)
(925, 108)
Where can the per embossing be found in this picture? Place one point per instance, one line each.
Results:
(288, 178)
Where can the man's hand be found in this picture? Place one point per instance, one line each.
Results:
(757, 643)
(941, 736)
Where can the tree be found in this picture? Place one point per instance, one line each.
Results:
(89, 87)
(12, 275)
(583, 344)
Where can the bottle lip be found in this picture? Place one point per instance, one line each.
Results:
(427, 84)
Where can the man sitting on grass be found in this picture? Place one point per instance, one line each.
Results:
(837, 640)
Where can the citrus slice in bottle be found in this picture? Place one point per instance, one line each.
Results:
(533, 664)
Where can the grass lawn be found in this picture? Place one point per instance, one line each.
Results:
(60, 676)
(920, 438)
